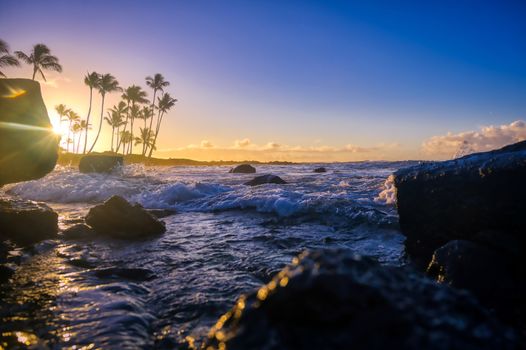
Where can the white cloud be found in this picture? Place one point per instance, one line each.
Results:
(206, 144)
(486, 139)
(242, 143)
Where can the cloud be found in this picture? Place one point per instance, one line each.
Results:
(53, 82)
(272, 145)
(206, 144)
(242, 143)
(485, 139)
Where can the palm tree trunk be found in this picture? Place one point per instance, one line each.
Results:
(100, 124)
(132, 119)
(87, 120)
(153, 111)
(125, 125)
(157, 128)
(34, 72)
(78, 142)
(112, 133)
(67, 140)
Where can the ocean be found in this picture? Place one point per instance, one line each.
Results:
(225, 239)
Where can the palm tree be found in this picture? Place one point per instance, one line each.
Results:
(164, 104)
(133, 94)
(62, 112)
(145, 137)
(6, 59)
(146, 113)
(157, 83)
(84, 126)
(121, 109)
(126, 138)
(114, 119)
(41, 58)
(107, 84)
(72, 118)
(91, 80)
(135, 113)
(76, 129)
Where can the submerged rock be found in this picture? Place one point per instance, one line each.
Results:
(28, 145)
(78, 231)
(135, 274)
(443, 201)
(336, 300)
(119, 219)
(99, 163)
(265, 179)
(320, 170)
(26, 222)
(243, 169)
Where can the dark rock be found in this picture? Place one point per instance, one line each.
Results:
(27, 222)
(5, 273)
(243, 169)
(320, 170)
(265, 179)
(99, 163)
(161, 213)
(82, 263)
(135, 274)
(335, 300)
(442, 201)
(28, 145)
(488, 274)
(119, 219)
(78, 231)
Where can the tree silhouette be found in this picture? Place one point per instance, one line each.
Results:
(164, 104)
(40, 58)
(6, 60)
(157, 83)
(92, 81)
(107, 84)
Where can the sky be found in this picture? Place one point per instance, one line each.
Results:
(294, 80)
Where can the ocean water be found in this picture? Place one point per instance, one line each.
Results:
(225, 239)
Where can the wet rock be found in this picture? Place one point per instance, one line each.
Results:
(336, 300)
(135, 274)
(265, 179)
(161, 213)
(26, 222)
(99, 163)
(119, 219)
(443, 201)
(320, 170)
(490, 275)
(78, 231)
(82, 263)
(243, 169)
(28, 145)
(6, 272)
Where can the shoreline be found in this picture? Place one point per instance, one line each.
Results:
(73, 159)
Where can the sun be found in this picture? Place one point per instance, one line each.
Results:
(58, 129)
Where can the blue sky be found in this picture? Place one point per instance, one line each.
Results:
(297, 73)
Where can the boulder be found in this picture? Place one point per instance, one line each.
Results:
(78, 231)
(265, 179)
(119, 219)
(26, 222)
(443, 201)
(491, 276)
(243, 169)
(333, 299)
(99, 163)
(320, 170)
(28, 145)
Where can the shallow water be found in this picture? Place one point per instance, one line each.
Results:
(225, 239)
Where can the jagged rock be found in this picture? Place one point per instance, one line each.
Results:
(336, 300)
(119, 219)
(443, 201)
(243, 169)
(265, 179)
(6, 272)
(99, 163)
(27, 222)
(320, 170)
(28, 145)
(78, 231)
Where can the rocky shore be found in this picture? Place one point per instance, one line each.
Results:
(464, 286)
